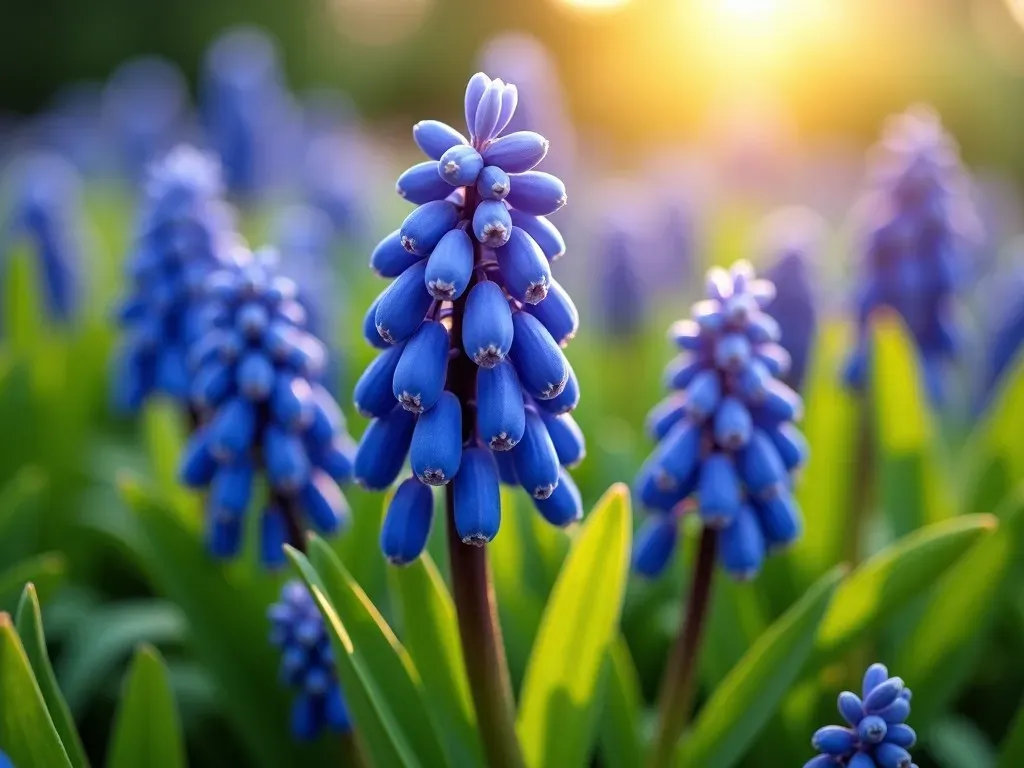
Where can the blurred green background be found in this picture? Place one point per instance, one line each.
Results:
(730, 108)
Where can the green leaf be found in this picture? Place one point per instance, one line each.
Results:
(912, 486)
(105, 638)
(21, 502)
(995, 452)
(956, 742)
(561, 693)
(165, 437)
(27, 734)
(619, 738)
(830, 427)
(742, 704)
(432, 639)
(882, 585)
(226, 612)
(967, 591)
(46, 571)
(1011, 752)
(388, 661)
(147, 731)
(381, 738)
(29, 623)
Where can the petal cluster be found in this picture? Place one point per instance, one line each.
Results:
(876, 734)
(791, 239)
(255, 380)
(307, 663)
(183, 236)
(918, 224)
(246, 111)
(726, 435)
(45, 215)
(472, 287)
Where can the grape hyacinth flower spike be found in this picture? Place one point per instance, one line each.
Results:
(726, 435)
(256, 383)
(919, 224)
(791, 239)
(727, 448)
(184, 234)
(876, 734)
(471, 381)
(307, 663)
(45, 214)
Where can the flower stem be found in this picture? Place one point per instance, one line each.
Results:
(680, 681)
(348, 746)
(482, 648)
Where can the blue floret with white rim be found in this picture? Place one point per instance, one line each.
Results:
(478, 245)
(727, 446)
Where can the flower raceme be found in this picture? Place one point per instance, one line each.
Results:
(726, 437)
(919, 220)
(876, 735)
(183, 237)
(307, 663)
(256, 383)
(45, 215)
(472, 291)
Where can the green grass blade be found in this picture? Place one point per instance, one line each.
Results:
(560, 701)
(147, 731)
(432, 639)
(27, 733)
(746, 699)
(29, 623)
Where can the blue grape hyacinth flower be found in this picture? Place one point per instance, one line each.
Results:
(876, 734)
(145, 104)
(307, 663)
(919, 224)
(791, 238)
(45, 215)
(471, 382)
(184, 234)
(620, 284)
(726, 439)
(247, 113)
(1004, 333)
(256, 384)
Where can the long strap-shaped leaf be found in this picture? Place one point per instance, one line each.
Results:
(561, 695)
(227, 628)
(29, 622)
(27, 733)
(432, 638)
(957, 612)
(889, 580)
(147, 731)
(750, 693)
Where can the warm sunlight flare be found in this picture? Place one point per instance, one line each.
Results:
(593, 5)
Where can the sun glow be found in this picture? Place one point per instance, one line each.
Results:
(594, 5)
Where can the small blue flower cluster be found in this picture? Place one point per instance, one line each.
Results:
(727, 435)
(246, 110)
(472, 287)
(182, 239)
(146, 102)
(307, 663)
(919, 219)
(791, 238)
(45, 214)
(877, 736)
(621, 287)
(255, 381)
(1004, 331)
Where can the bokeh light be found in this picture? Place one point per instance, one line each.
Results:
(594, 5)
